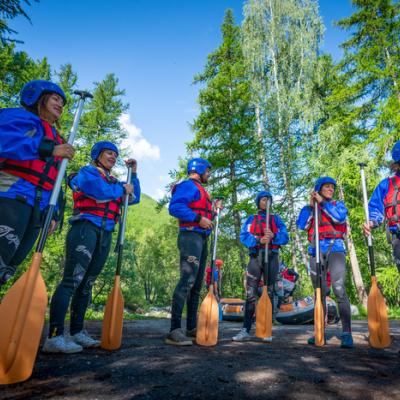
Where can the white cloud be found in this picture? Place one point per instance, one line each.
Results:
(160, 193)
(138, 147)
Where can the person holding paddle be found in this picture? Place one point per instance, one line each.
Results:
(332, 228)
(255, 236)
(31, 150)
(97, 199)
(191, 205)
(384, 204)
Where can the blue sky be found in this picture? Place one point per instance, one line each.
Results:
(154, 47)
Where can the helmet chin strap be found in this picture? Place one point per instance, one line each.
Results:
(325, 198)
(101, 165)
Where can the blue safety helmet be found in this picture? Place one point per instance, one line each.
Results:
(262, 194)
(322, 181)
(100, 146)
(198, 165)
(396, 152)
(33, 90)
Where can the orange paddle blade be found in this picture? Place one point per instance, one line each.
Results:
(264, 316)
(207, 324)
(319, 319)
(111, 333)
(22, 313)
(378, 323)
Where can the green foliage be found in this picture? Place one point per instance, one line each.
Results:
(10, 9)
(150, 263)
(389, 278)
(17, 68)
(225, 129)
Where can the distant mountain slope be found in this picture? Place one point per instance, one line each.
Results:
(144, 215)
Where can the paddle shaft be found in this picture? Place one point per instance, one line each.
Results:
(264, 306)
(319, 307)
(214, 251)
(366, 212)
(57, 185)
(266, 258)
(122, 227)
(317, 249)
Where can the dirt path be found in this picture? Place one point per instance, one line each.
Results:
(145, 368)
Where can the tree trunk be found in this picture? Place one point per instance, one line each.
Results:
(283, 161)
(263, 156)
(355, 267)
(236, 216)
(357, 278)
(299, 245)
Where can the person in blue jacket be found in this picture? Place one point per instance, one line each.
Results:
(384, 205)
(192, 206)
(255, 236)
(332, 230)
(30, 153)
(97, 197)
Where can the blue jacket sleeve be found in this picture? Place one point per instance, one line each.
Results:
(136, 191)
(338, 211)
(281, 237)
(89, 181)
(247, 238)
(304, 218)
(185, 193)
(135, 199)
(21, 134)
(375, 205)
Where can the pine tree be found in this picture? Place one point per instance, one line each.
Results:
(101, 118)
(224, 128)
(369, 72)
(9, 9)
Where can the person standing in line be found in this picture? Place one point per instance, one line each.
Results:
(31, 150)
(332, 228)
(192, 206)
(254, 235)
(97, 197)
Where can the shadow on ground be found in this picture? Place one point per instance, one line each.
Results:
(145, 368)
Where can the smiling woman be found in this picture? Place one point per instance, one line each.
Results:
(31, 149)
(50, 107)
(97, 197)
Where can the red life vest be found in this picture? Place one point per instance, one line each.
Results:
(202, 207)
(327, 228)
(39, 172)
(391, 202)
(106, 210)
(286, 275)
(258, 226)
